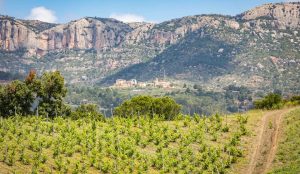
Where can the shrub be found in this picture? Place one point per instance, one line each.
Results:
(271, 101)
(295, 99)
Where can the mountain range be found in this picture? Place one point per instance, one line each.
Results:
(258, 49)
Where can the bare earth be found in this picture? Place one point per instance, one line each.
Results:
(266, 142)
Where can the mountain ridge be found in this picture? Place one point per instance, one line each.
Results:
(208, 49)
(59, 32)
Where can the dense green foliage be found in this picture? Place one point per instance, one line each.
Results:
(131, 145)
(15, 97)
(271, 101)
(89, 111)
(163, 107)
(287, 156)
(35, 94)
(52, 91)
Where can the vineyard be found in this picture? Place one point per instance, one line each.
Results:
(120, 145)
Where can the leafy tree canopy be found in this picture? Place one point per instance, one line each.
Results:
(44, 94)
(87, 111)
(165, 107)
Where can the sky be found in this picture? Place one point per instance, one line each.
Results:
(62, 11)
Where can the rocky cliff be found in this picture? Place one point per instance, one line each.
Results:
(284, 15)
(14, 35)
(86, 33)
(38, 38)
(100, 34)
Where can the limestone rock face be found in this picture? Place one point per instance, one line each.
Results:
(15, 35)
(38, 38)
(170, 32)
(284, 14)
(86, 33)
(140, 32)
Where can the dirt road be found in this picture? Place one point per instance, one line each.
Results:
(266, 142)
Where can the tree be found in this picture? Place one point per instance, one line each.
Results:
(139, 105)
(87, 111)
(52, 91)
(164, 107)
(16, 98)
(20, 97)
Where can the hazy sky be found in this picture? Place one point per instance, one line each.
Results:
(61, 11)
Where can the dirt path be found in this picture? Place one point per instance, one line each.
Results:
(267, 140)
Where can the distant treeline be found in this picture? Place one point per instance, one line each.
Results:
(45, 95)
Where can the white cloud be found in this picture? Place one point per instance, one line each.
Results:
(43, 14)
(128, 17)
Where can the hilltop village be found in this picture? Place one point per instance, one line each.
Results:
(133, 83)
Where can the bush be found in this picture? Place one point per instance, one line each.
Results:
(87, 111)
(295, 99)
(165, 107)
(271, 101)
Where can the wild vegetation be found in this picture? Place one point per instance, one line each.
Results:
(271, 101)
(275, 101)
(287, 157)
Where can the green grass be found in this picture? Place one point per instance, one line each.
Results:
(287, 158)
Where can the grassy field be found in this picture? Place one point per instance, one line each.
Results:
(287, 159)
